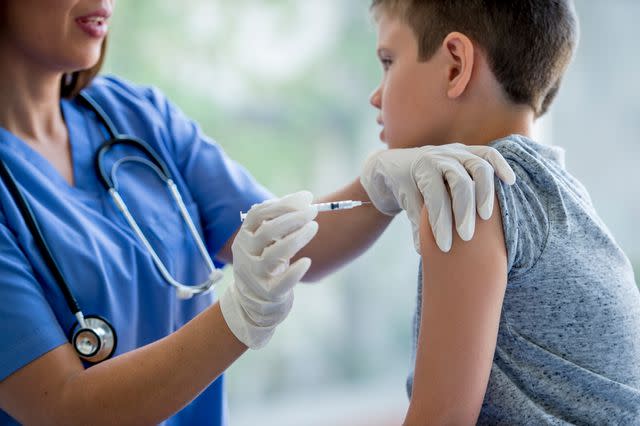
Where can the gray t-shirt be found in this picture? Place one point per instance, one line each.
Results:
(568, 348)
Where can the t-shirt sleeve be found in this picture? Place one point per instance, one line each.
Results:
(220, 187)
(28, 326)
(525, 219)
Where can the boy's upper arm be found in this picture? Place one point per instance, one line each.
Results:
(462, 299)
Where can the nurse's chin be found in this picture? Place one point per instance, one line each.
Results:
(84, 57)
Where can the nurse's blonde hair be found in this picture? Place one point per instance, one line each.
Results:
(72, 83)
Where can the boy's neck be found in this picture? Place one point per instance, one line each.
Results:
(487, 123)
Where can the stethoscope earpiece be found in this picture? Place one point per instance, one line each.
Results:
(96, 341)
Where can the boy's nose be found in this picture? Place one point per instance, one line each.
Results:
(376, 98)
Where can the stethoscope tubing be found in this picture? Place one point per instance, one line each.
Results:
(38, 238)
(161, 169)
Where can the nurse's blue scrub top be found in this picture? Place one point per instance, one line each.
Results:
(108, 269)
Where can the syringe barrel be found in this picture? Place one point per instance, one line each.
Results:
(327, 207)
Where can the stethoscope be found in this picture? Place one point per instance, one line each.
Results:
(93, 337)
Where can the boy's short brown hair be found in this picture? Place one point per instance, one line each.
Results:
(529, 43)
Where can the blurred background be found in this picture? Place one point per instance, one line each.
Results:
(283, 86)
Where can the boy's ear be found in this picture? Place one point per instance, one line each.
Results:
(459, 50)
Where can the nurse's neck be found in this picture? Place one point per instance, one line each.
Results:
(30, 100)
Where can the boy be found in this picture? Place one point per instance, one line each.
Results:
(537, 319)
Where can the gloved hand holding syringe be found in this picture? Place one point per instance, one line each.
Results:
(328, 207)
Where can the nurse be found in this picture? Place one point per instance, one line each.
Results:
(170, 353)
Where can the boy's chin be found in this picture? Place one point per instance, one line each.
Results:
(394, 143)
(398, 142)
(403, 145)
(391, 145)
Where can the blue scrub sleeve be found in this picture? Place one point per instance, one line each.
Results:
(28, 326)
(220, 187)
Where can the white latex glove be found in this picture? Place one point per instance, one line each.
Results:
(261, 294)
(405, 179)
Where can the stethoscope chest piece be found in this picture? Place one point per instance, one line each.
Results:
(96, 341)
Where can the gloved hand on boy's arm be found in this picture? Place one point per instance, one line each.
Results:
(261, 295)
(406, 179)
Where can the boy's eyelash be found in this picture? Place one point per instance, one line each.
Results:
(386, 63)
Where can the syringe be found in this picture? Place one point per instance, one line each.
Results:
(328, 207)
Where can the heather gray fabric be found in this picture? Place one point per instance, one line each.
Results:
(568, 349)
